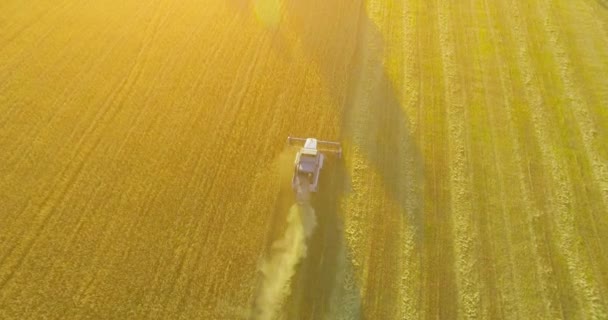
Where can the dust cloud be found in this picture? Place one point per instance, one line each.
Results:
(279, 267)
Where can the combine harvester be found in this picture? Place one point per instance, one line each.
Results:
(308, 164)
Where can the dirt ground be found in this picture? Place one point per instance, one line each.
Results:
(144, 171)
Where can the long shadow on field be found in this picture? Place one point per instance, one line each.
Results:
(375, 126)
(348, 47)
(341, 39)
(373, 122)
(345, 44)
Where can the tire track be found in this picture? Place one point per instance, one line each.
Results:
(44, 131)
(39, 132)
(587, 129)
(370, 105)
(534, 192)
(494, 21)
(199, 161)
(378, 127)
(559, 199)
(579, 14)
(57, 9)
(18, 60)
(111, 270)
(580, 107)
(533, 98)
(501, 289)
(231, 144)
(21, 26)
(466, 259)
(6, 72)
(231, 113)
(54, 197)
(223, 129)
(412, 235)
(439, 289)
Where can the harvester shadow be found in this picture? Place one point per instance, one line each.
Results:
(348, 51)
(373, 120)
(375, 126)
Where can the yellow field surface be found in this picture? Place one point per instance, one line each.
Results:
(144, 171)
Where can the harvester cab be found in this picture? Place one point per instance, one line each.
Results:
(309, 162)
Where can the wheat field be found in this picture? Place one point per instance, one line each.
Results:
(144, 169)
